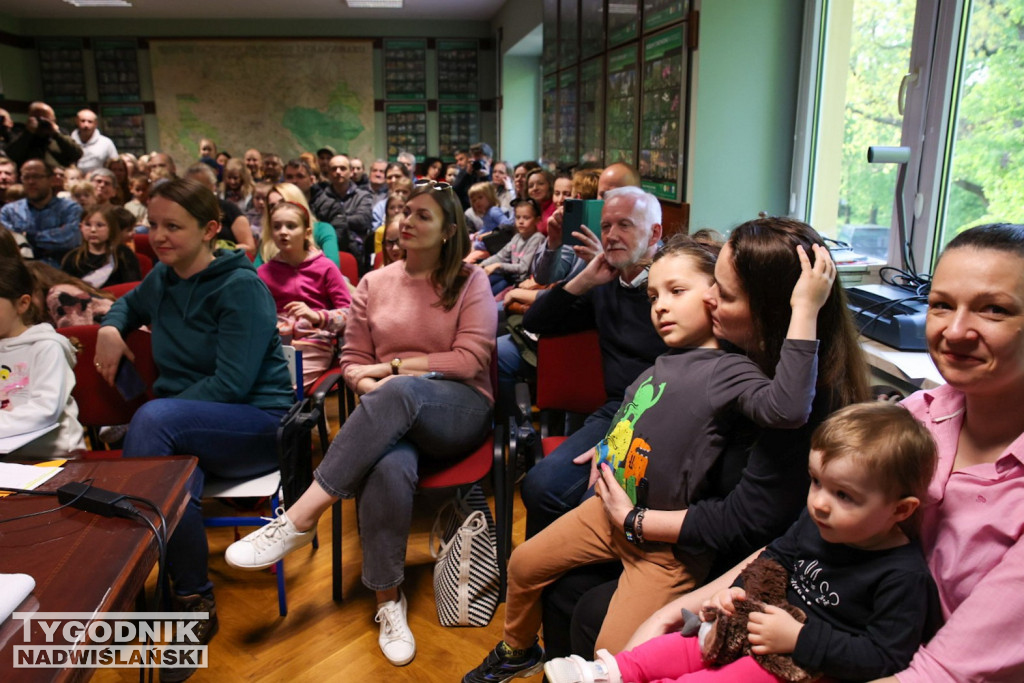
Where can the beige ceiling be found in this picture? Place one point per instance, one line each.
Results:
(465, 10)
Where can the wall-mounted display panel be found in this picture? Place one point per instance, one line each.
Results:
(591, 111)
(405, 69)
(406, 129)
(621, 109)
(591, 28)
(660, 13)
(661, 113)
(549, 123)
(61, 70)
(549, 55)
(568, 117)
(623, 21)
(117, 70)
(457, 70)
(568, 31)
(458, 127)
(124, 124)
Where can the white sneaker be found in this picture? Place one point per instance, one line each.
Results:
(575, 669)
(268, 544)
(396, 641)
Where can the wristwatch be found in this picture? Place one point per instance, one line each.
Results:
(396, 365)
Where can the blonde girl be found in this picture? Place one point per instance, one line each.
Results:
(237, 187)
(309, 291)
(324, 237)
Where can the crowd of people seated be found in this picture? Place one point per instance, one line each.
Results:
(737, 428)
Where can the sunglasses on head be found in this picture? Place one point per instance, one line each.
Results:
(436, 184)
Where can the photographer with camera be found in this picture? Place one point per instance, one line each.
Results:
(42, 139)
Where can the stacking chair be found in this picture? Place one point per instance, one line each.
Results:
(349, 267)
(121, 289)
(99, 404)
(489, 457)
(145, 264)
(570, 378)
(287, 483)
(142, 246)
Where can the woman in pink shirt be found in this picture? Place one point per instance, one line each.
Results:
(972, 527)
(418, 346)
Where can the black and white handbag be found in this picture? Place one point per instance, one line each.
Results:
(466, 579)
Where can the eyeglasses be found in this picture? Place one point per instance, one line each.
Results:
(391, 243)
(33, 177)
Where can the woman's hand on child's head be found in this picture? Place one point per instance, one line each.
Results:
(815, 283)
(773, 631)
(109, 350)
(614, 498)
(723, 600)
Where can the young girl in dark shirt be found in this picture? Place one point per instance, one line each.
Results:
(101, 259)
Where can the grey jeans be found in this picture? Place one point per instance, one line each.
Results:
(376, 453)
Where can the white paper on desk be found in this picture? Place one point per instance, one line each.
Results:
(13, 443)
(14, 588)
(15, 476)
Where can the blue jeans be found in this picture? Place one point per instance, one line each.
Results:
(556, 484)
(376, 453)
(230, 440)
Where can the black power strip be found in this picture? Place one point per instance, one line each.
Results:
(96, 500)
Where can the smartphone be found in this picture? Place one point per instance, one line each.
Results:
(128, 381)
(579, 212)
(432, 375)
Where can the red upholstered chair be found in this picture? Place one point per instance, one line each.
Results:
(99, 404)
(570, 378)
(349, 267)
(145, 264)
(121, 289)
(489, 457)
(142, 246)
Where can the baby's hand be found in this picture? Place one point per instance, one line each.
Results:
(773, 631)
(723, 599)
(812, 289)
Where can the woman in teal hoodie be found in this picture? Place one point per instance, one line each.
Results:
(223, 384)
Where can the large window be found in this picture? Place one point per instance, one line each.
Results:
(941, 77)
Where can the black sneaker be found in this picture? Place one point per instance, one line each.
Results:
(205, 631)
(503, 664)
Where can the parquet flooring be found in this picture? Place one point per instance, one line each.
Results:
(321, 640)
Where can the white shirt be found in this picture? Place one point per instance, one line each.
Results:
(95, 152)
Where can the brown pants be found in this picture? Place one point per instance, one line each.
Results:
(650, 577)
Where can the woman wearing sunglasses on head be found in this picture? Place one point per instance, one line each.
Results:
(418, 347)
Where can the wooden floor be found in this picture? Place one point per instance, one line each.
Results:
(321, 640)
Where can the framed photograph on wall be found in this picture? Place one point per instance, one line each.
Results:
(405, 69)
(406, 129)
(621, 96)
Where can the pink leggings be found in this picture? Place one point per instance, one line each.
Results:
(671, 658)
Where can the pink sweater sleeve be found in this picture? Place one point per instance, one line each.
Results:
(470, 355)
(358, 349)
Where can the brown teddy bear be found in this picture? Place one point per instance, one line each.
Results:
(724, 636)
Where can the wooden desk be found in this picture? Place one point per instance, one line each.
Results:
(83, 562)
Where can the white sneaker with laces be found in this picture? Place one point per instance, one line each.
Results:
(268, 544)
(395, 640)
(575, 669)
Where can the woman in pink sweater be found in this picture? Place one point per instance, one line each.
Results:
(418, 347)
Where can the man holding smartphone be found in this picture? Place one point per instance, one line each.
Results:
(42, 139)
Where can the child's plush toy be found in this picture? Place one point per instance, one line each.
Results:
(724, 636)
